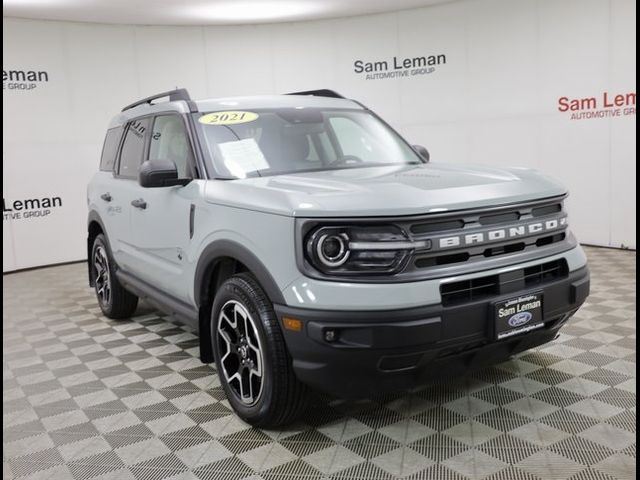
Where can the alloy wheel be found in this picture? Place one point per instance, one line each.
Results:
(240, 352)
(103, 278)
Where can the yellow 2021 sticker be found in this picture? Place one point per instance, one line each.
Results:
(227, 118)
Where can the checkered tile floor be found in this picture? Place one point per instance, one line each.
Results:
(85, 397)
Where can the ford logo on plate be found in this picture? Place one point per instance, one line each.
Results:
(520, 319)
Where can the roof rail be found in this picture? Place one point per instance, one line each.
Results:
(174, 95)
(323, 92)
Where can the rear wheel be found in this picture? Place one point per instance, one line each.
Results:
(251, 356)
(115, 302)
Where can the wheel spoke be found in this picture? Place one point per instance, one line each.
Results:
(231, 323)
(235, 316)
(246, 329)
(230, 327)
(227, 340)
(258, 361)
(250, 383)
(236, 377)
(256, 372)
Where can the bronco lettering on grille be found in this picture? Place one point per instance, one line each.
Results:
(498, 234)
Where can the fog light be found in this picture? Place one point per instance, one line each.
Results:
(330, 335)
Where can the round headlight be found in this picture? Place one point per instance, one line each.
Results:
(332, 249)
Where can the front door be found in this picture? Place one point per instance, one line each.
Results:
(123, 190)
(162, 217)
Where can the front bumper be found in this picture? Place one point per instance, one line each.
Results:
(370, 352)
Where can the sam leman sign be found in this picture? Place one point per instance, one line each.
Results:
(398, 67)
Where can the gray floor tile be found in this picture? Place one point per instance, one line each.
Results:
(86, 398)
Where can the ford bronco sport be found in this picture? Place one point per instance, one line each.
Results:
(312, 247)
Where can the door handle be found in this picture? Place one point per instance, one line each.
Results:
(140, 203)
(106, 197)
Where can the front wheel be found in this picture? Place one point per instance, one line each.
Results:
(115, 302)
(251, 356)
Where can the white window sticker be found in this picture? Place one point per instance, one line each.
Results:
(242, 156)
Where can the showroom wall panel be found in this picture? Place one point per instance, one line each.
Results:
(239, 60)
(167, 57)
(492, 98)
(369, 39)
(622, 157)
(40, 153)
(435, 30)
(303, 55)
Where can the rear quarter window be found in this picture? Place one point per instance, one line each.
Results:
(110, 149)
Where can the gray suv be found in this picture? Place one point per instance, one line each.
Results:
(313, 248)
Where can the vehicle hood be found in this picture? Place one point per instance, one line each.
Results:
(384, 191)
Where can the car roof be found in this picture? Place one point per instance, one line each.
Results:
(274, 101)
(235, 103)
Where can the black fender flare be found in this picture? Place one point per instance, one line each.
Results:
(93, 217)
(207, 261)
(228, 248)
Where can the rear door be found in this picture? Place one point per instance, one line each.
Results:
(100, 189)
(163, 224)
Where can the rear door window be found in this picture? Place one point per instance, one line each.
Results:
(110, 149)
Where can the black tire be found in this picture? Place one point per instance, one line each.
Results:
(281, 397)
(118, 303)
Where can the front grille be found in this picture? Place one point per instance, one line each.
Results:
(468, 291)
(441, 260)
(420, 228)
(546, 210)
(499, 218)
(545, 272)
(510, 248)
(449, 243)
(508, 224)
(507, 215)
(476, 289)
(548, 240)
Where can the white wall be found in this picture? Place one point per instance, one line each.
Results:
(494, 101)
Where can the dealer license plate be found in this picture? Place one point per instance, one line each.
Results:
(518, 315)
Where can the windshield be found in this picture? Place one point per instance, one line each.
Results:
(264, 142)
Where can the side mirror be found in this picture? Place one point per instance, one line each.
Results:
(160, 173)
(422, 151)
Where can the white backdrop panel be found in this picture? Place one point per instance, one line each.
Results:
(494, 101)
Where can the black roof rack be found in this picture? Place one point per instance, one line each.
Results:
(323, 92)
(174, 95)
